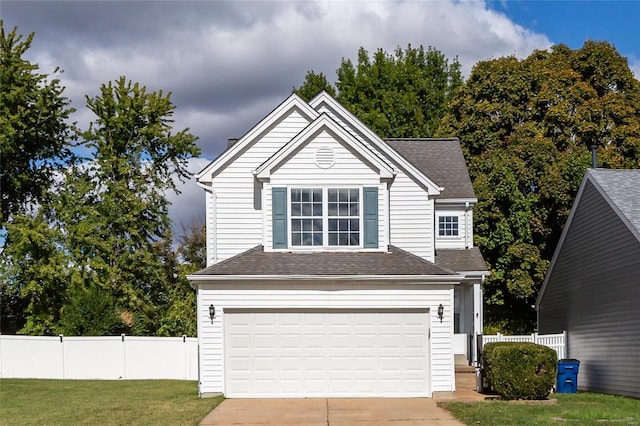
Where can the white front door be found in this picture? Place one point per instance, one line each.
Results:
(327, 353)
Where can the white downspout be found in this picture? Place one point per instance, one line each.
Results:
(210, 223)
(466, 225)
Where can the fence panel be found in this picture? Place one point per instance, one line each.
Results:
(556, 342)
(104, 357)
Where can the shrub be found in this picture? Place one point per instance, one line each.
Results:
(520, 370)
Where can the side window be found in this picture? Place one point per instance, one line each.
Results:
(448, 226)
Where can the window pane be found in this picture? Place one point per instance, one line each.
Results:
(317, 225)
(295, 225)
(354, 224)
(317, 209)
(333, 239)
(317, 195)
(353, 210)
(343, 225)
(295, 239)
(305, 195)
(317, 239)
(306, 225)
(333, 195)
(306, 239)
(333, 209)
(333, 225)
(295, 195)
(343, 195)
(354, 239)
(295, 209)
(306, 210)
(354, 194)
(343, 210)
(343, 239)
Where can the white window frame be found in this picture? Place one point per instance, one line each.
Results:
(325, 218)
(457, 222)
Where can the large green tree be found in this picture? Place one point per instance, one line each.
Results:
(404, 94)
(34, 134)
(105, 234)
(526, 128)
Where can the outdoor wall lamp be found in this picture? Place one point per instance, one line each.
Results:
(212, 312)
(441, 312)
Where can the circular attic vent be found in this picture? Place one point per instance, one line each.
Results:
(325, 157)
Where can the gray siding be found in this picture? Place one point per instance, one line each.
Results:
(593, 292)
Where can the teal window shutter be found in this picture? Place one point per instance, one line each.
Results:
(279, 210)
(370, 203)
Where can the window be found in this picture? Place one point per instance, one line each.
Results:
(329, 216)
(344, 217)
(306, 217)
(448, 226)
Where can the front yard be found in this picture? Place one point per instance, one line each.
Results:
(103, 402)
(582, 409)
(175, 402)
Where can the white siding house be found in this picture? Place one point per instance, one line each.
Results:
(339, 264)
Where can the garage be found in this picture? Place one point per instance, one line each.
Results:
(326, 353)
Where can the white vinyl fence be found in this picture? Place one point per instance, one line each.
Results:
(108, 357)
(556, 342)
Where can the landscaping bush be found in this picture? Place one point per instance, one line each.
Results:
(518, 370)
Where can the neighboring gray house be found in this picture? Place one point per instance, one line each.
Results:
(592, 287)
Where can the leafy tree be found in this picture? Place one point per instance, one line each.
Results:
(526, 128)
(404, 94)
(106, 228)
(34, 134)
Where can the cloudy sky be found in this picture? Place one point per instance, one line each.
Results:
(228, 64)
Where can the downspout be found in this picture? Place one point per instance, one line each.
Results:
(466, 225)
(210, 226)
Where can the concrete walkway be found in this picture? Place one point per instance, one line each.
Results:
(330, 412)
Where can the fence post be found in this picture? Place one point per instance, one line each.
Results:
(499, 337)
(62, 353)
(124, 356)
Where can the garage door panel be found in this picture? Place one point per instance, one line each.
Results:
(315, 354)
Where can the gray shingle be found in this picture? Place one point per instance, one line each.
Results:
(461, 260)
(623, 188)
(258, 262)
(441, 160)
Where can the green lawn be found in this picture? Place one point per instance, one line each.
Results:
(572, 409)
(103, 402)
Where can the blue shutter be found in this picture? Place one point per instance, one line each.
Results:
(370, 209)
(279, 210)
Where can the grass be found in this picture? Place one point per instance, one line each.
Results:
(126, 402)
(584, 409)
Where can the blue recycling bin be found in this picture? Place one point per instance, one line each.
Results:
(567, 377)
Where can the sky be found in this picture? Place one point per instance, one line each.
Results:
(229, 63)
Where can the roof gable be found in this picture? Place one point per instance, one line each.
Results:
(324, 101)
(620, 189)
(323, 123)
(293, 102)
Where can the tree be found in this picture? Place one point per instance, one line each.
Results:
(404, 94)
(34, 134)
(526, 128)
(106, 230)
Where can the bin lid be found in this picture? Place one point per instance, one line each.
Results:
(570, 360)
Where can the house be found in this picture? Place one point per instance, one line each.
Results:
(339, 264)
(591, 288)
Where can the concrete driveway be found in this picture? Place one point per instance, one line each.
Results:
(330, 412)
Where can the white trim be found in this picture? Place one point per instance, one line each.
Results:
(324, 122)
(324, 98)
(293, 101)
(456, 200)
(434, 279)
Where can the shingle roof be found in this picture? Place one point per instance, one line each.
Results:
(623, 188)
(258, 262)
(441, 160)
(461, 260)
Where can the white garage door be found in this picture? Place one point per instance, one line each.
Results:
(334, 353)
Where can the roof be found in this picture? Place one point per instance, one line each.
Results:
(623, 189)
(258, 262)
(441, 160)
(461, 260)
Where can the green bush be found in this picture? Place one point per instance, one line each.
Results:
(520, 370)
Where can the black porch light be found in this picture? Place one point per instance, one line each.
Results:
(441, 312)
(212, 312)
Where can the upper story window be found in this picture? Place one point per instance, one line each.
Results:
(448, 226)
(325, 217)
